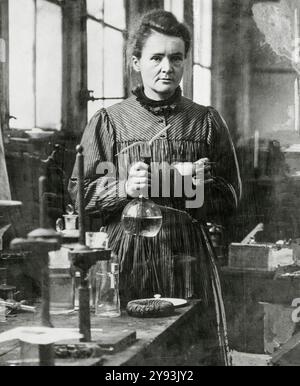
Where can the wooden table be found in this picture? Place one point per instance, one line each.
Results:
(174, 340)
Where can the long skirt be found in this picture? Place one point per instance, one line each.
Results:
(179, 262)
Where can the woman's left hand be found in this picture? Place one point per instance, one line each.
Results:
(198, 166)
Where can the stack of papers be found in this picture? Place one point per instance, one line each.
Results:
(40, 335)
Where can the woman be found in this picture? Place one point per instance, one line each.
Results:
(179, 261)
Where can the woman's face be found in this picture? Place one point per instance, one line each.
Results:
(161, 65)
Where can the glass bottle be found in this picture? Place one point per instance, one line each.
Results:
(107, 303)
(142, 217)
(61, 290)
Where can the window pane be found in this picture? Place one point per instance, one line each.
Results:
(168, 5)
(93, 107)
(21, 62)
(202, 85)
(203, 32)
(113, 64)
(176, 7)
(48, 65)
(110, 102)
(114, 13)
(95, 57)
(95, 8)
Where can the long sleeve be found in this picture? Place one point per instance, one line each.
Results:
(223, 194)
(104, 192)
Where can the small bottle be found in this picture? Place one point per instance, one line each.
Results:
(107, 302)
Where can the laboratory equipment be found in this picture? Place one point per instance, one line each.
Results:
(141, 216)
(83, 257)
(40, 242)
(107, 302)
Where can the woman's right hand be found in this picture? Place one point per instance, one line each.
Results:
(138, 180)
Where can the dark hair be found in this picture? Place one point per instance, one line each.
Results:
(160, 21)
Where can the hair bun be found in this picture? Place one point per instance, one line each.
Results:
(160, 21)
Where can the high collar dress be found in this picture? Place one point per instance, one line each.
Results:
(180, 260)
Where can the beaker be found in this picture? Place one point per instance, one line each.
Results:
(61, 290)
(70, 221)
(107, 303)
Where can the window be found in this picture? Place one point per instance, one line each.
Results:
(202, 49)
(106, 35)
(35, 63)
(36, 60)
(202, 10)
(176, 7)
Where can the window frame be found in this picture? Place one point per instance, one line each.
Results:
(189, 19)
(4, 68)
(124, 32)
(75, 90)
(198, 63)
(58, 3)
(74, 48)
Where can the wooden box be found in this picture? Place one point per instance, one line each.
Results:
(266, 257)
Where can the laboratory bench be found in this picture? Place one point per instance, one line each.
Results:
(127, 341)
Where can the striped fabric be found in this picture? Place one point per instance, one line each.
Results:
(180, 260)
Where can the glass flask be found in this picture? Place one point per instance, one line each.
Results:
(142, 217)
(107, 302)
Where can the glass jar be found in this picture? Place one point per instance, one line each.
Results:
(107, 302)
(61, 290)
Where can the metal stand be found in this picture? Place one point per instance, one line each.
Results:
(83, 257)
(41, 241)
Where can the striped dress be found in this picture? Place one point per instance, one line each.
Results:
(180, 260)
